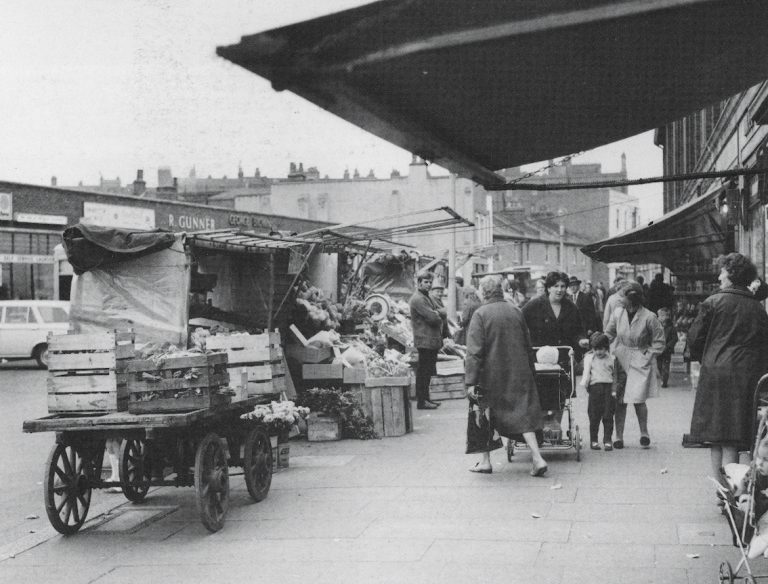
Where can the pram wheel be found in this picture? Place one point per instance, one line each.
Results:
(510, 449)
(725, 574)
(749, 579)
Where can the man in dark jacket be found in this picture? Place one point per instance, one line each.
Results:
(428, 322)
(586, 305)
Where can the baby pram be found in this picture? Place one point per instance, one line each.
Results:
(556, 383)
(746, 502)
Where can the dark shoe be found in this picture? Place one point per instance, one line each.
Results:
(645, 441)
(664, 384)
(477, 468)
(436, 404)
(426, 406)
(618, 444)
(607, 447)
(595, 446)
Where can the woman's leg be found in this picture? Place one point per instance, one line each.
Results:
(641, 410)
(621, 417)
(485, 462)
(716, 459)
(533, 445)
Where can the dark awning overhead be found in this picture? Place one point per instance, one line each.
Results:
(480, 86)
(696, 231)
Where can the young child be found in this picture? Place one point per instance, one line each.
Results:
(599, 380)
(670, 340)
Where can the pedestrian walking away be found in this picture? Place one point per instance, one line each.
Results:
(599, 381)
(729, 337)
(429, 323)
(639, 338)
(500, 363)
(670, 340)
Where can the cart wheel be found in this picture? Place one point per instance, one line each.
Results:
(212, 482)
(67, 488)
(135, 469)
(725, 574)
(577, 442)
(510, 449)
(257, 465)
(749, 579)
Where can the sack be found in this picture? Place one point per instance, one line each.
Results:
(480, 433)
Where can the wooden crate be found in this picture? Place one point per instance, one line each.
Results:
(444, 387)
(385, 401)
(321, 427)
(334, 372)
(354, 375)
(308, 354)
(87, 372)
(169, 391)
(255, 363)
(450, 367)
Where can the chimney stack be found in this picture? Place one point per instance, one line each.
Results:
(54, 181)
(139, 186)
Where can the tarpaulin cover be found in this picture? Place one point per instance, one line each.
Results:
(149, 294)
(92, 246)
(391, 274)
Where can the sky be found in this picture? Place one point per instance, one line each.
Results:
(92, 88)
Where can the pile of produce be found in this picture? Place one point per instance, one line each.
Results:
(322, 313)
(334, 402)
(279, 417)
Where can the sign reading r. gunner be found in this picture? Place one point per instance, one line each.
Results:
(191, 223)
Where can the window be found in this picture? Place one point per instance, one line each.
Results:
(18, 315)
(53, 314)
(617, 218)
(558, 254)
(546, 253)
(527, 252)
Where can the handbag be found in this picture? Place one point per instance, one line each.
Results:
(480, 433)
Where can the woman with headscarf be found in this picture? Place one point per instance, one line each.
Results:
(729, 337)
(500, 375)
(639, 338)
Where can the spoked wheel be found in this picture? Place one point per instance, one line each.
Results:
(510, 449)
(577, 442)
(212, 482)
(135, 469)
(725, 573)
(257, 464)
(67, 488)
(750, 579)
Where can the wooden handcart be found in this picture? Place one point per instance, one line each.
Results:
(194, 448)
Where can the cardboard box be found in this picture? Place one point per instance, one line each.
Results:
(322, 427)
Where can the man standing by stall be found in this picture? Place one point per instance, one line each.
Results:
(428, 321)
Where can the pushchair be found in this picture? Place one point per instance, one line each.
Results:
(556, 384)
(746, 504)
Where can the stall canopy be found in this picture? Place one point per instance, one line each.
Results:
(480, 86)
(696, 231)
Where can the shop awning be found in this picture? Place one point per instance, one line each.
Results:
(696, 231)
(480, 86)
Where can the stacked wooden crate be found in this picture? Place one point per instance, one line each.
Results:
(449, 381)
(87, 372)
(178, 384)
(256, 363)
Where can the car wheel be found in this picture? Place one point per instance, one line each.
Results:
(40, 354)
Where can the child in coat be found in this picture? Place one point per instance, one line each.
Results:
(599, 380)
(670, 340)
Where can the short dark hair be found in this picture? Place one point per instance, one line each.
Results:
(555, 277)
(741, 271)
(425, 275)
(599, 341)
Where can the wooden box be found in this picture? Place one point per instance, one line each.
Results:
(354, 375)
(255, 363)
(322, 427)
(385, 400)
(335, 372)
(450, 367)
(442, 387)
(308, 354)
(169, 387)
(87, 372)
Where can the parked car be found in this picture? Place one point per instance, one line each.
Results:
(24, 328)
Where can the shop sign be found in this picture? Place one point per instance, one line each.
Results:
(118, 216)
(248, 221)
(6, 206)
(34, 218)
(18, 258)
(190, 223)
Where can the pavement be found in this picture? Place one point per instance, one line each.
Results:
(407, 510)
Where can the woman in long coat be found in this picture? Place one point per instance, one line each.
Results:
(639, 339)
(730, 338)
(499, 369)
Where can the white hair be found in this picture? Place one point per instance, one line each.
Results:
(490, 286)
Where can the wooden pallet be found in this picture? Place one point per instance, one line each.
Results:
(385, 400)
(442, 387)
(87, 372)
(171, 391)
(256, 363)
